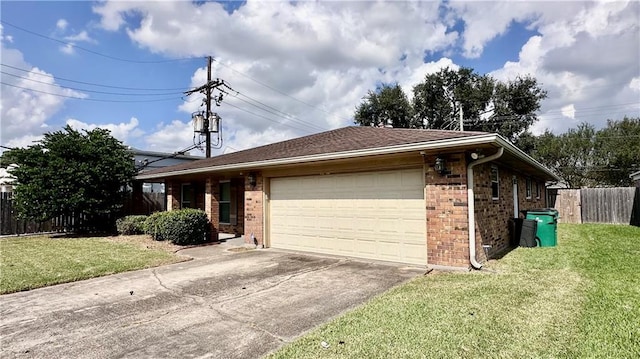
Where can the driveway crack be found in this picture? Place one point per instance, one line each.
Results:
(195, 298)
(286, 279)
(155, 275)
(249, 324)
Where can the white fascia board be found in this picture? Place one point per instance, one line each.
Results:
(429, 145)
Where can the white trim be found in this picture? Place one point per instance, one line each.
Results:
(221, 202)
(497, 181)
(438, 144)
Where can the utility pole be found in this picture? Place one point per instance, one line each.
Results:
(207, 117)
(461, 117)
(208, 113)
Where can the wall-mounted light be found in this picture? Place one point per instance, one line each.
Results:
(440, 165)
(252, 179)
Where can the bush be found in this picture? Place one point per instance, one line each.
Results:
(152, 225)
(185, 226)
(131, 225)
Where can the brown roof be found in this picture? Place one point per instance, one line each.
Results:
(338, 140)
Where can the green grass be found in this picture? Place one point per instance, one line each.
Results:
(32, 262)
(578, 300)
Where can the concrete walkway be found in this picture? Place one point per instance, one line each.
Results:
(223, 304)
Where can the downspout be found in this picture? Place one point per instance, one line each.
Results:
(471, 206)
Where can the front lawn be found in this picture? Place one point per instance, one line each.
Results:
(32, 262)
(580, 299)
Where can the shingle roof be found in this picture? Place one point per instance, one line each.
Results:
(339, 140)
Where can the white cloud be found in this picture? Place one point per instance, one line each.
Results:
(569, 111)
(174, 136)
(62, 24)
(27, 105)
(81, 36)
(68, 49)
(634, 84)
(327, 55)
(24, 141)
(123, 131)
(585, 58)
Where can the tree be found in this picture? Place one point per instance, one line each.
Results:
(584, 157)
(440, 98)
(617, 147)
(489, 105)
(72, 173)
(570, 155)
(514, 106)
(388, 105)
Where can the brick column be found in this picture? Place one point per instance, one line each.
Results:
(447, 221)
(172, 189)
(254, 210)
(211, 205)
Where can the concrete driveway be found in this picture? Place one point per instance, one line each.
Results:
(220, 305)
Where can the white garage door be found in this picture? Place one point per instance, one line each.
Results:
(374, 215)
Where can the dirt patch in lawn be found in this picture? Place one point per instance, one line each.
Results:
(146, 242)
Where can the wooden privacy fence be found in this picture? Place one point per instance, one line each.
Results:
(149, 202)
(620, 205)
(10, 224)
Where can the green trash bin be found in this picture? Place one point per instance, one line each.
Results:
(547, 232)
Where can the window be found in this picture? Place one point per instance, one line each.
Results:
(495, 183)
(537, 189)
(225, 202)
(528, 188)
(186, 196)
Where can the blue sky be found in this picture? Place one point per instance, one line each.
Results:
(298, 68)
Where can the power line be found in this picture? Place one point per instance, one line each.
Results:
(96, 84)
(272, 88)
(267, 118)
(93, 91)
(276, 112)
(91, 51)
(87, 99)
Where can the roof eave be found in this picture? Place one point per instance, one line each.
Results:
(511, 148)
(438, 144)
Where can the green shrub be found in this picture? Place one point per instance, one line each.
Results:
(131, 225)
(152, 225)
(185, 226)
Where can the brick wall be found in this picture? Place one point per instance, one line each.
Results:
(173, 195)
(493, 217)
(447, 210)
(211, 207)
(254, 210)
(446, 204)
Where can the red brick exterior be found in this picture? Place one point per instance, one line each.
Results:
(493, 217)
(446, 205)
(211, 195)
(254, 210)
(447, 210)
(173, 195)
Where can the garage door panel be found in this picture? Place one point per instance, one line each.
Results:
(377, 215)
